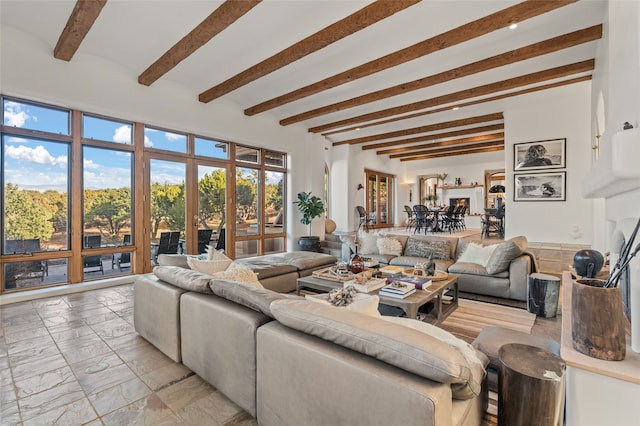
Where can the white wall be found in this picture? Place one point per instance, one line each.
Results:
(88, 83)
(562, 112)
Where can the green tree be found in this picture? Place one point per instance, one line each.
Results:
(212, 199)
(110, 211)
(25, 215)
(167, 205)
(246, 194)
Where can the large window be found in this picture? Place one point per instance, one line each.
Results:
(86, 196)
(35, 195)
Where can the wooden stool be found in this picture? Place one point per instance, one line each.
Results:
(531, 386)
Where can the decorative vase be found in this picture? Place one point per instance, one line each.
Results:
(597, 320)
(311, 243)
(356, 264)
(588, 263)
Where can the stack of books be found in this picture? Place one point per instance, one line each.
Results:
(392, 269)
(398, 289)
(418, 283)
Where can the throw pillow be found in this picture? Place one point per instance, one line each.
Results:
(439, 249)
(363, 303)
(367, 243)
(239, 273)
(184, 278)
(213, 254)
(390, 246)
(502, 257)
(208, 266)
(477, 253)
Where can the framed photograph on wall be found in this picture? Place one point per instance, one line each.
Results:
(549, 154)
(550, 186)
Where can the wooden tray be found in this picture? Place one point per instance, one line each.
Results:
(439, 276)
(326, 274)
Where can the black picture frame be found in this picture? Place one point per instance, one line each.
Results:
(540, 155)
(550, 186)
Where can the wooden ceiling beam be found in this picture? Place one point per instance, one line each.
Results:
(450, 154)
(82, 18)
(531, 51)
(423, 129)
(408, 150)
(463, 104)
(220, 19)
(355, 22)
(501, 19)
(509, 84)
(449, 134)
(455, 148)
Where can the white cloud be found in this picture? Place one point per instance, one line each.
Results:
(122, 134)
(147, 142)
(90, 164)
(37, 155)
(14, 115)
(173, 136)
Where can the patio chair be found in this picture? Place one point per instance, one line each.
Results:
(93, 241)
(122, 258)
(204, 239)
(24, 270)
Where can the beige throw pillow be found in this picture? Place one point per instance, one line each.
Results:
(239, 273)
(502, 256)
(477, 253)
(208, 266)
(367, 243)
(363, 303)
(389, 246)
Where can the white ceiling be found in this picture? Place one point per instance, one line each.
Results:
(134, 34)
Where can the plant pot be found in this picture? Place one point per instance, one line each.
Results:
(311, 243)
(597, 320)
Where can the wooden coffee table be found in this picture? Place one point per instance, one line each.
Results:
(410, 305)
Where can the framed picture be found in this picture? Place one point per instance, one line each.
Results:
(540, 186)
(548, 154)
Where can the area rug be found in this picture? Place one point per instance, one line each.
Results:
(471, 316)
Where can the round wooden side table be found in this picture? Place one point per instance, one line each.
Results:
(530, 386)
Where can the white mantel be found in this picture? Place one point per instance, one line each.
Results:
(617, 170)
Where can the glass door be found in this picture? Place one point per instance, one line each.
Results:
(379, 199)
(211, 217)
(167, 207)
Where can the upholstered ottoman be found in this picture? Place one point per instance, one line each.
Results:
(491, 339)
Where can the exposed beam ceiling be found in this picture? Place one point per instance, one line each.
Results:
(458, 152)
(477, 28)
(397, 77)
(84, 14)
(361, 19)
(225, 15)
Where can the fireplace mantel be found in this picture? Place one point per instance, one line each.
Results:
(616, 171)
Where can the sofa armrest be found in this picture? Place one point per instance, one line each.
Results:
(519, 270)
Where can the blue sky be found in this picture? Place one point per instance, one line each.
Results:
(43, 165)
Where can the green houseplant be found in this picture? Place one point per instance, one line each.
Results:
(309, 207)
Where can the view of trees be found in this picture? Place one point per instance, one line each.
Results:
(28, 214)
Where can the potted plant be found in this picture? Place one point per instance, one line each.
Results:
(310, 207)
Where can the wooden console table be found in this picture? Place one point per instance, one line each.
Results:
(598, 392)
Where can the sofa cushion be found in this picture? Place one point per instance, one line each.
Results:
(439, 249)
(266, 268)
(410, 262)
(389, 245)
(394, 344)
(477, 253)
(173, 260)
(504, 254)
(256, 298)
(477, 360)
(184, 278)
(300, 259)
(239, 273)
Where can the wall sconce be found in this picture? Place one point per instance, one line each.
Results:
(360, 186)
(410, 194)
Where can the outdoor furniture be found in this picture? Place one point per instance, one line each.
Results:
(204, 238)
(93, 241)
(169, 242)
(120, 258)
(24, 270)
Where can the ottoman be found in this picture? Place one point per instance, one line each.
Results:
(491, 339)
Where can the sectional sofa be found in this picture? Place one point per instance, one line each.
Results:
(289, 361)
(489, 267)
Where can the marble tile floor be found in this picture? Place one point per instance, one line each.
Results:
(76, 360)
